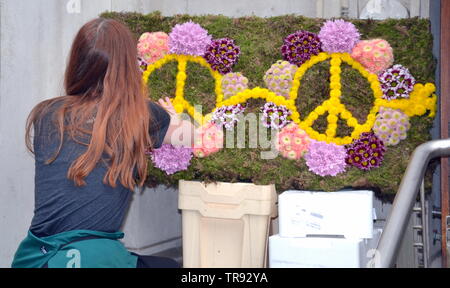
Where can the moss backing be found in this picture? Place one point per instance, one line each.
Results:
(260, 40)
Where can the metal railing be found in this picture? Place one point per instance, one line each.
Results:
(391, 238)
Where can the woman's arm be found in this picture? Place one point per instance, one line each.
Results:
(180, 132)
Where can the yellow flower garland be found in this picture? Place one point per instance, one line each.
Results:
(421, 99)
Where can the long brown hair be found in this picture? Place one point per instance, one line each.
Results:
(104, 87)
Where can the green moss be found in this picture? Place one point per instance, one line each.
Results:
(314, 88)
(260, 40)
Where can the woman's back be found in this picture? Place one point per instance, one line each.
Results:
(90, 153)
(62, 206)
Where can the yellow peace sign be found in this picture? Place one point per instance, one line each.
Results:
(421, 98)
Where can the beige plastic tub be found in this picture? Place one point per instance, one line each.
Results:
(226, 224)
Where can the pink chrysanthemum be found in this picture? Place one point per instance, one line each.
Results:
(326, 159)
(338, 36)
(171, 159)
(153, 46)
(189, 39)
(208, 140)
(292, 142)
(375, 55)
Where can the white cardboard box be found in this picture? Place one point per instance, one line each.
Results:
(345, 213)
(321, 252)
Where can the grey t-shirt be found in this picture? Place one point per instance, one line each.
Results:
(60, 205)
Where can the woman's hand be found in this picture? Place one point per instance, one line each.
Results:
(180, 132)
(167, 104)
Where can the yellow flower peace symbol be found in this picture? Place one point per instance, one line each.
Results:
(421, 99)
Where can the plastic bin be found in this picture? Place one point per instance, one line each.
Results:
(345, 213)
(322, 252)
(226, 224)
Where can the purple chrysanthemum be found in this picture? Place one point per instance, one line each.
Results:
(366, 153)
(222, 54)
(300, 46)
(396, 82)
(171, 159)
(188, 39)
(142, 64)
(227, 116)
(326, 159)
(275, 117)
(338, 36)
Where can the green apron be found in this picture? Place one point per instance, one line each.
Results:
(74, 249)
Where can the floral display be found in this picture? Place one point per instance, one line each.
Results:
(338, 36)
(153, 46)
(279, 78)
(366, 153)
(396, 97)
(228, 116)
(292, 142)
(208, 140)
(171, 159)
(391, 126)
(375, 55)
(233, 83)
(421, 99)
(326, 159)
(222, 54)
(396, 82)
(274, 116)
(189, 39)
(300, 46)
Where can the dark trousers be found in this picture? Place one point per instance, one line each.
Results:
(155, 262)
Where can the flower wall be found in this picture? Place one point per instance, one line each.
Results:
(348, 110)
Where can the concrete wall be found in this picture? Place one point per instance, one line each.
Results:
(265, 8)
(35, 39)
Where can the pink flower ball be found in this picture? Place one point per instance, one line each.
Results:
(292, 142)
(208, 140)
(375, 55)
(153, 46)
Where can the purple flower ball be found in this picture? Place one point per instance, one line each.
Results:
(300, 46)
(366, 153)
(275, 117)
(222, 55)
(326, 159)
(396, 82)
(171, 159)
(338, 36)
(188, 39)
(228, 116)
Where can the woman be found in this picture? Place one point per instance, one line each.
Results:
(90, 150)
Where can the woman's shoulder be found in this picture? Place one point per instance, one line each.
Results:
(44, 114)
(157, 112)
(48, 106)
